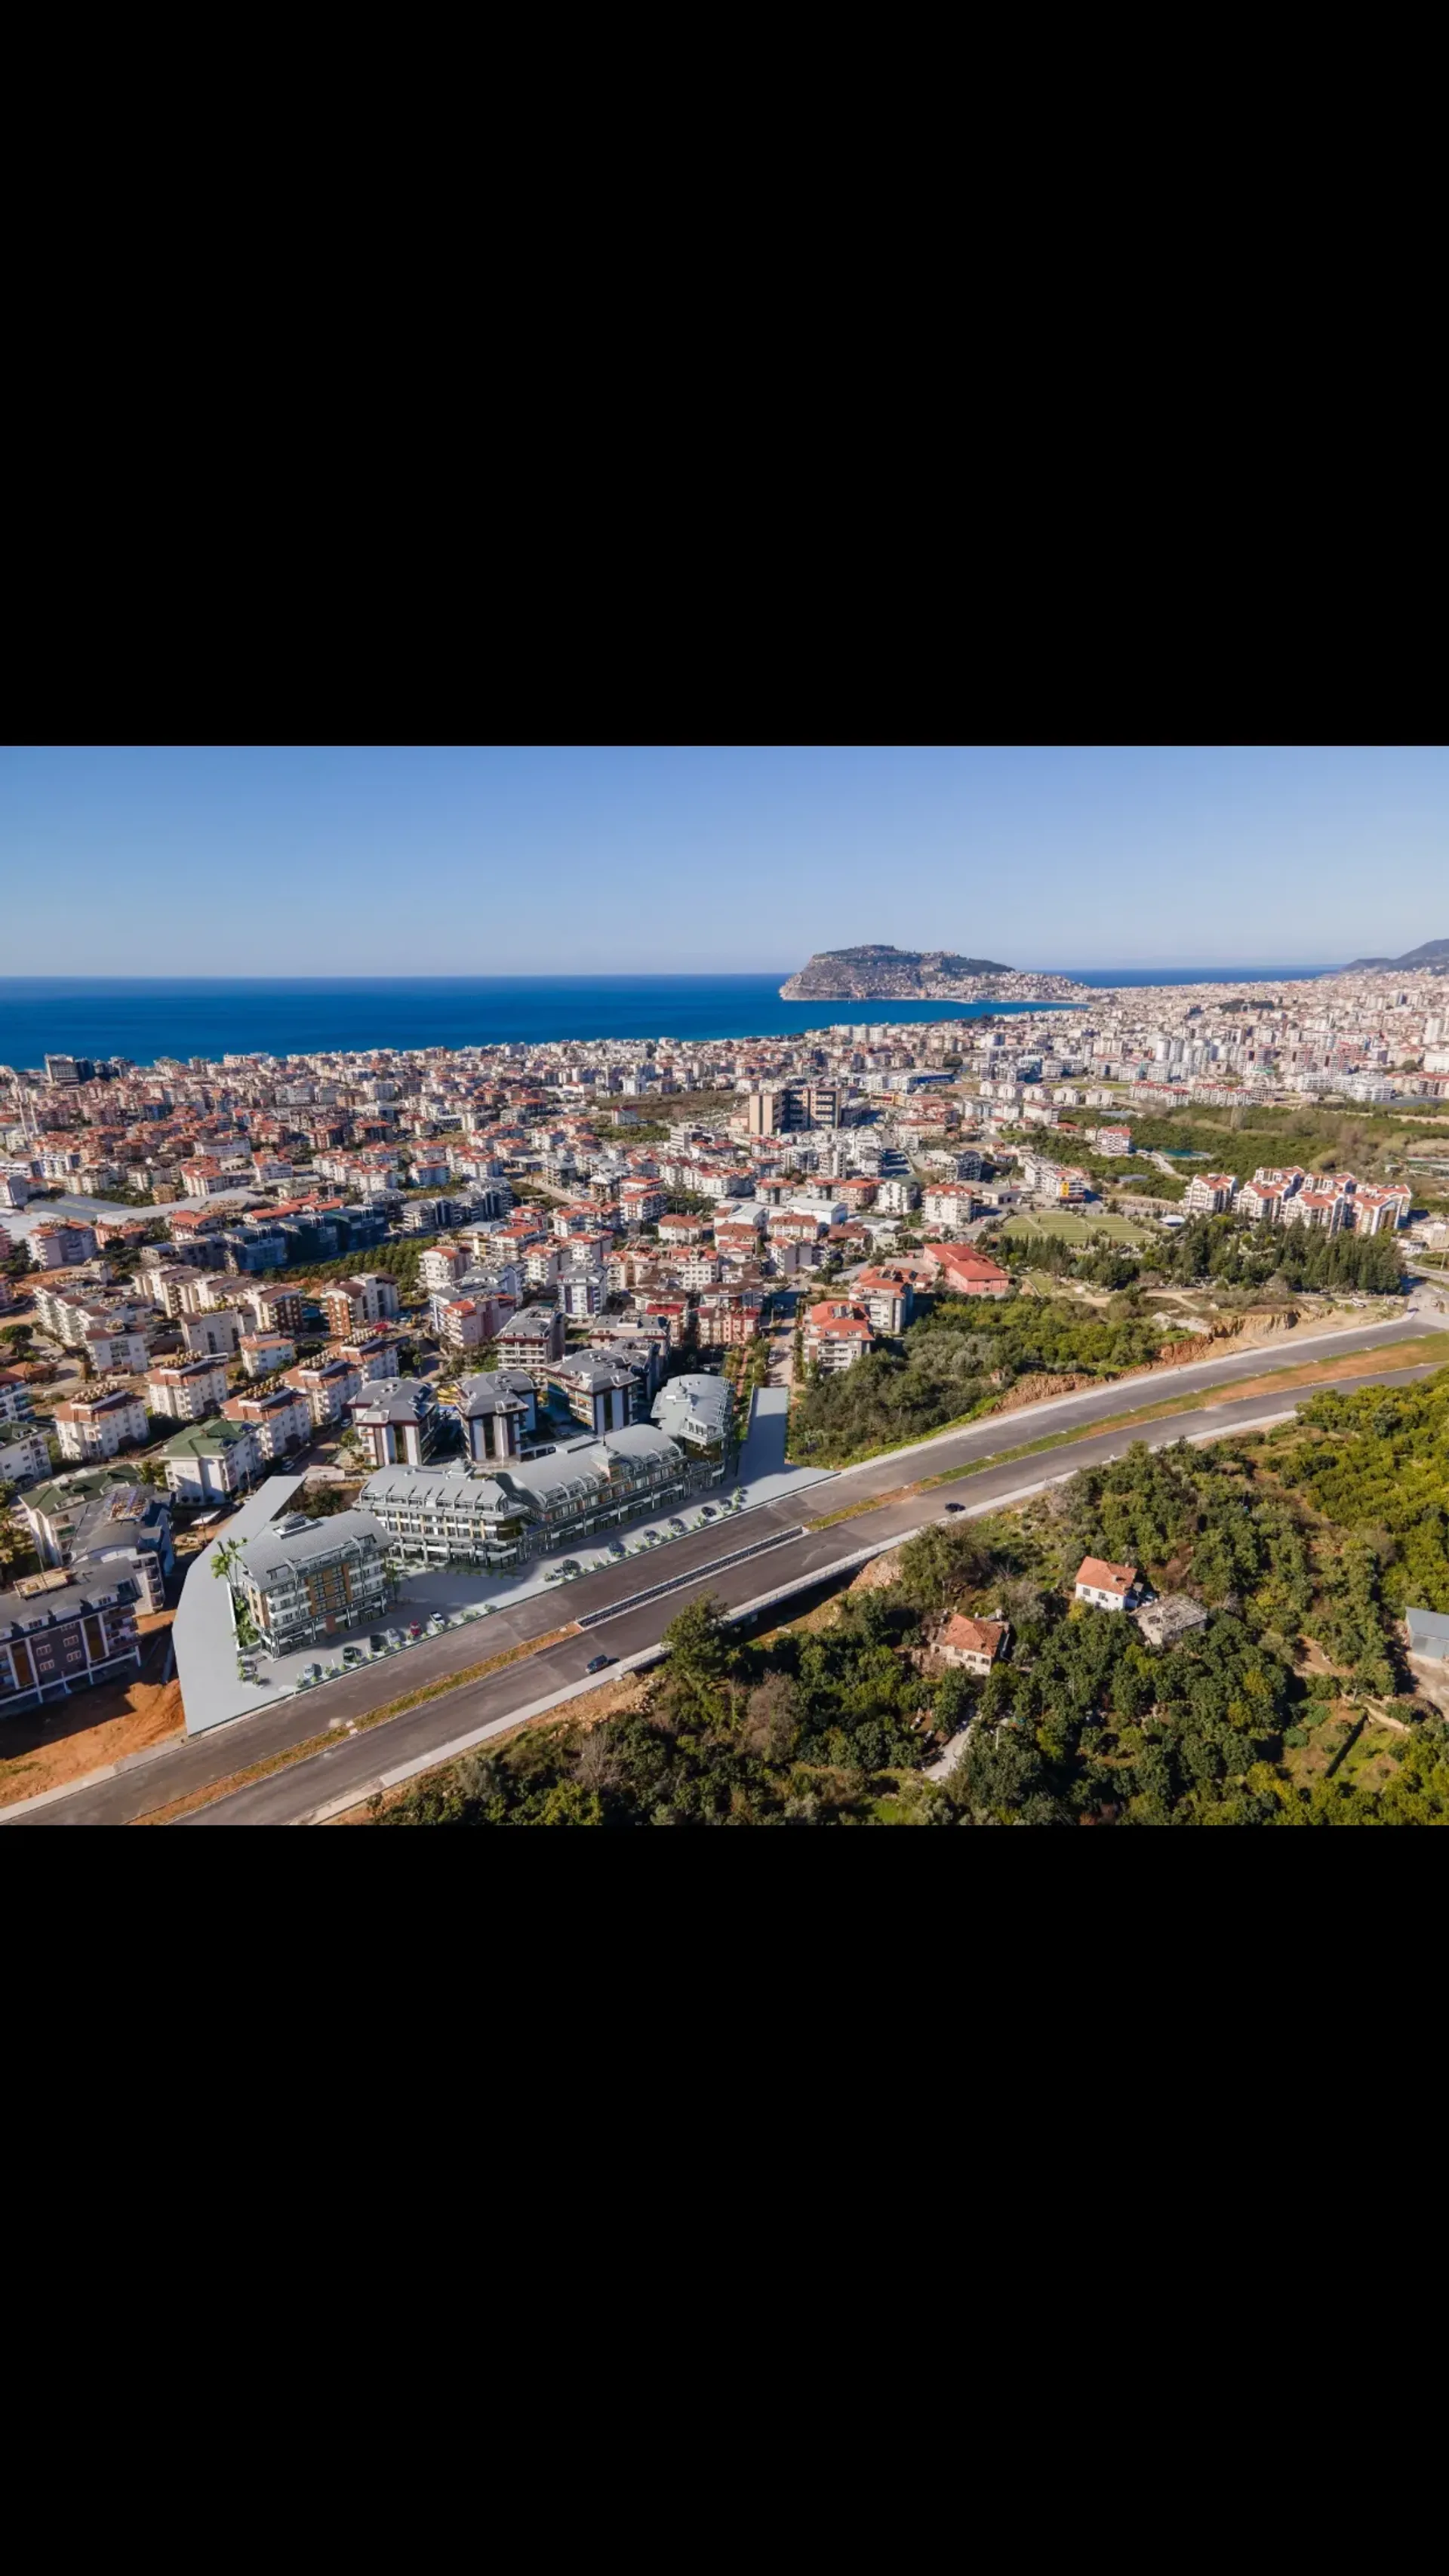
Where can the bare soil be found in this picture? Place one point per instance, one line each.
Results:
(45, 1748)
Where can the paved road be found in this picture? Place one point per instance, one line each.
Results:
(201, 1761)
(355, 1763)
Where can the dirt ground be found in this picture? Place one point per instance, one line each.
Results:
(46, 1747)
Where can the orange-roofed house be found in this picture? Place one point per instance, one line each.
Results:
(1107, 1587)
(968, 1273)
(836, 1336)
(972, 1644)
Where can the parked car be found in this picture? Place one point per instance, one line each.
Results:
(598, 1663)
(352, 1655)
(415, 1627)
(955, 1507)
(378, 1643)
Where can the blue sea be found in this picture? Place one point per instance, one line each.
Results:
(144, 1019)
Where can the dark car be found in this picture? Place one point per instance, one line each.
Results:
(955, 1507)
(598, 1663)
(378, 1643)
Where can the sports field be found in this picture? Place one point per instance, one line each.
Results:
(1075, 1229)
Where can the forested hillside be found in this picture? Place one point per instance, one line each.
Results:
(1291, 1705)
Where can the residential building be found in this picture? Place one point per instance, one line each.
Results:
(61, 1632)
(461, 1322)
(640, 1202)
(326, 1387)
(372, 1356)
(1260, 1204)
(582, 1294)
(304, 1580)
(24, 1455)
(350, 1304)
(1329, 1210)
(444, 1516)
(396, 1420)
(124, 1530)
(442, 1266)
(187, 1392)
(1107, 1587)
(729, 1318)
(97, 1427)
(499, 1413)
(266, 1354)
(948, 1203)
(972, 1645)
(532, 1339)
(642, 1345)
(53, 1511)
(110, 1350)
(968, 1273)
(62, 1247)
(602, 1393)
(897, 1197)
(213, 1335)
(697, 1411)
(275, 1310)
(837, 1335)
(671, 1312)
(701, 1267)
(1210, 1193)
(1381, 1210)
(887, 1296)
(210, 1461)
(279, 1416)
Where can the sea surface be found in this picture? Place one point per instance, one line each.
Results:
(147, 1018)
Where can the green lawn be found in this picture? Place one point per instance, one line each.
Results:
(1075, 1229)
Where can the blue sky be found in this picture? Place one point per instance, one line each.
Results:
(307, 862)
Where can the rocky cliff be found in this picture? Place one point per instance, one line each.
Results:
(880, 973)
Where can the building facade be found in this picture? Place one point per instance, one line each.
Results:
(304, 1580)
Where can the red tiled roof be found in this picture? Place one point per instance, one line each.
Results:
(973, 1636)
(1104, 1577)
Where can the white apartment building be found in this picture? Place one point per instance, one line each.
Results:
(442, 1266)
(263, 1354)
(115, 1352)
(582, 1293)
(326, 1387)
(211, 1460)
(98, 1428)
(62, 1247)
(948, 1204)
(213, 1335)
(1210, 1193)
(188, 1392)
(279, 1419)
(23, 1456)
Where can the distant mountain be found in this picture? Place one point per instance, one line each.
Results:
(881, 973)
(1435, 952)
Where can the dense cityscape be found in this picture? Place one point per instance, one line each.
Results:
(407, 1340)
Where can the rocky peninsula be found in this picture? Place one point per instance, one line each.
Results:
(880, 973)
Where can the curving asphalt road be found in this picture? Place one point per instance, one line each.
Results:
(292, 1795)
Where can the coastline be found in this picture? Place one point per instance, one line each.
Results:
(148, 1018)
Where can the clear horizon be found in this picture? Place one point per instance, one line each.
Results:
(160, 865)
